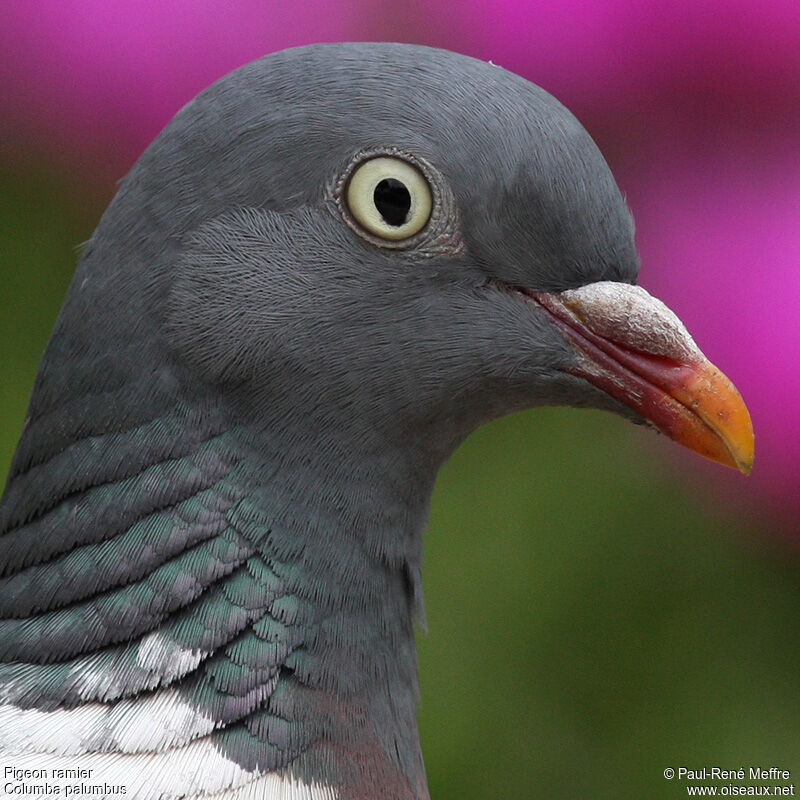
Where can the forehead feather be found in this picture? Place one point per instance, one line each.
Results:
(531, 184)
(318, 104)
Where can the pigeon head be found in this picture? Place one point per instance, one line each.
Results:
(368, 231)
(328, 269)
(347, 220)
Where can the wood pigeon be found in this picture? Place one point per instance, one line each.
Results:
(327, 270)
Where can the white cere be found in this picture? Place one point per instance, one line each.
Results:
(629, 315)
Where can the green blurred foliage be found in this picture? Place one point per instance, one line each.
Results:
(592, 619)
(44, 217)
(593, 622)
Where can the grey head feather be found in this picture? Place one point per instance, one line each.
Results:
(236, 426)
(526, 198)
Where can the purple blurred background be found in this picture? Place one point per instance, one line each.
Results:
(696, 106)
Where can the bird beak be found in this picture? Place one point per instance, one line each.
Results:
(633, 347)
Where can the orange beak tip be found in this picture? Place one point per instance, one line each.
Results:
(635, 349)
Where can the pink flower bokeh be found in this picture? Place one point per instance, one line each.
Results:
(107, 75)
(696, 105)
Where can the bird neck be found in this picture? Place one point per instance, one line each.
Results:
(340, 522)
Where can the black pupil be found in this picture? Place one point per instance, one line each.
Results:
(393, 200)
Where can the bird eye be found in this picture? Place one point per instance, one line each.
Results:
(389, 197)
